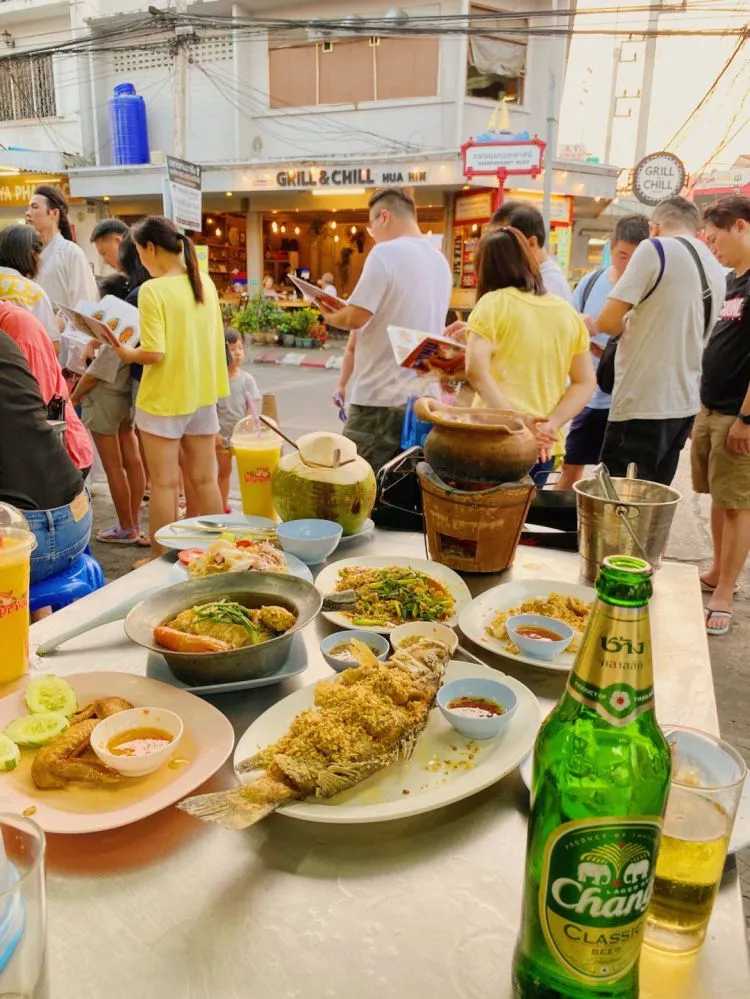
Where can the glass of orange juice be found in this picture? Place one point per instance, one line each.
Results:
(16, 546)
(257, 452)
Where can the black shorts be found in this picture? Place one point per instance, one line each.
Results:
(654, 445)
(583, 444)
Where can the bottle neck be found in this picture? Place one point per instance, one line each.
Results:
(613, 672)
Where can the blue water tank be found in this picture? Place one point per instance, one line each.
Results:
(127, 116)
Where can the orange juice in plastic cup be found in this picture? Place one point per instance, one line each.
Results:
(16, 545)
(257, 453)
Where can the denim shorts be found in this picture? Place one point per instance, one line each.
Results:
(60, 537)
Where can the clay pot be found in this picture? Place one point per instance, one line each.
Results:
(477, 445)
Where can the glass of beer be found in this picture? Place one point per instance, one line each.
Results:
(707, 779)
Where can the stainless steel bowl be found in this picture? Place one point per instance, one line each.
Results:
(253, 589)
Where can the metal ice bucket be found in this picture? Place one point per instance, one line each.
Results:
(649, 508)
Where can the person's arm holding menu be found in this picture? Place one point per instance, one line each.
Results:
(152, 349)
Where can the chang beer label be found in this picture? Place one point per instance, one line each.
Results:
(596, 884)
(613, 673)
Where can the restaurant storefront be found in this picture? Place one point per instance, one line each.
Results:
(311, 217)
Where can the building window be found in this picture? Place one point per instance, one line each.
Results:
(27, 88)
(352, 70)
(497, 62)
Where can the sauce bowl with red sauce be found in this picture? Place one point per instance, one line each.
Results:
(538, 636)
(477, 708)
(138, 741)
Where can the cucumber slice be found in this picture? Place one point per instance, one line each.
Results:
(36, 730)
(50, 693)
(10, 754)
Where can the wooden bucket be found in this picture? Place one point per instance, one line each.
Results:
(473, 531)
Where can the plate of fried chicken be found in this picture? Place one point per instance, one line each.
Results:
(64, 786)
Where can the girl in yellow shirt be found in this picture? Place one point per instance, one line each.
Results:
(527, 351)
(184, 373)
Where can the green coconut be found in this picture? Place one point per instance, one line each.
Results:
(327, 480)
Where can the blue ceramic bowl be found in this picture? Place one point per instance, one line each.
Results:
(478, 728)
(539, 648)
(378, 644)
(311, 540)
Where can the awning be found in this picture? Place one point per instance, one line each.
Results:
(497, 56)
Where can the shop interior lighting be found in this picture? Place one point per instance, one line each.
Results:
(474, 227)
(209, 220)
(335, 239)
(228, 194)
(218, 231)
(337, 192)
(274, 227)
(332, 224)
(297, 230)
(282, 229)
(106, 197)
(353, 230)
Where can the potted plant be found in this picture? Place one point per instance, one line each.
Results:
(285, 327)
(304, 321)
(260, 319)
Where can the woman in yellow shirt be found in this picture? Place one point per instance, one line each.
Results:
(527, 351)
(184, 371)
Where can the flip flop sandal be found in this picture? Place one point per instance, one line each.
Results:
(707, 588)
(724, 627)
(117, 536)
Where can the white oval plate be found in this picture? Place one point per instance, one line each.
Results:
(381, 797)
(178, 572)
(207, 743)
(326, 583)
(474, 618)
(365, 530)
(177, 535)
(158, 668)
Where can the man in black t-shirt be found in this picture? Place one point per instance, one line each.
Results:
(720, 451)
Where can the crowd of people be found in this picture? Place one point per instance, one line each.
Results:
(648, 349)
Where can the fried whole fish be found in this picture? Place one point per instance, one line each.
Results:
(69, 756)
(363, 720)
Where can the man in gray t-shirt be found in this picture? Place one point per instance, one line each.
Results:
(658, 362)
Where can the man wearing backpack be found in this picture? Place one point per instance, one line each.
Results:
(586, 434)
(720, 452)
(671, 293)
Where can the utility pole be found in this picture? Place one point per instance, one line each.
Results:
(183, 35)
(649, 57)
(551, 150)
(616, 56)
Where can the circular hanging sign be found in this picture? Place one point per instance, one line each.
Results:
(658, 176)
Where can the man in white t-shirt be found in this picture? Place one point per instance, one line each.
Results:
(64, 272)
(658, 361)
(405, 282)
(530, 222)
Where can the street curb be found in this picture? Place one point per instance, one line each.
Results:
(299, 361)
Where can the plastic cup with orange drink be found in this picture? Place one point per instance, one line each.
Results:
(16, 545)
(257, 451)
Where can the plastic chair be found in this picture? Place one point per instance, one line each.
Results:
(83, 575)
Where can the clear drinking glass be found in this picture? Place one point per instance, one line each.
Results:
(23, 911)
(707, 779)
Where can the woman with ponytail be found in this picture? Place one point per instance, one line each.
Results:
(64, 272)
(184, 372)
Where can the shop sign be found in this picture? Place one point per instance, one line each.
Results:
(560, 204)
(523, 157)
(473, 207)
(182, 194)
(18, 188)
(360, 176)
(658, 176)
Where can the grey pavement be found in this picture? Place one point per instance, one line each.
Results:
(304, 402)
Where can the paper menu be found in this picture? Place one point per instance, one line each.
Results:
(425, 352)
(316, 294)
(102, 319)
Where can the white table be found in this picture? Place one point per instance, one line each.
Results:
(170, 908)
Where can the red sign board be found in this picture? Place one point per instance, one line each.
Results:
(503, 159)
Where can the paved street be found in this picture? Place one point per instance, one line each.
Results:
(303, 397)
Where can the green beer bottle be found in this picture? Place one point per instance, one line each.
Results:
(601, 778)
